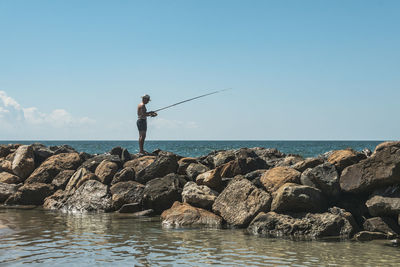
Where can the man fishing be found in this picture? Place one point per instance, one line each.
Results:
(142, 121)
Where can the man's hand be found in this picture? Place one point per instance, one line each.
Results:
(153, 114)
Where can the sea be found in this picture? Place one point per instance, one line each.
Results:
(31, 236)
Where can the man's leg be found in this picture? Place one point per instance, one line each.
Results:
(142, 137)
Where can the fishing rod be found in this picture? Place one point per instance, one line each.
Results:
(215, 92)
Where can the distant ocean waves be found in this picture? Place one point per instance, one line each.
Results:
(199, 148)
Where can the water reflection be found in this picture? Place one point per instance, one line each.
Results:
(43, 237)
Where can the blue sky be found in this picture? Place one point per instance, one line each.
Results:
(300, 70)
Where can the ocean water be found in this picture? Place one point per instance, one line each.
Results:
(200, 148)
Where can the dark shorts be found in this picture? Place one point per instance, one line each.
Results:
(141, 125)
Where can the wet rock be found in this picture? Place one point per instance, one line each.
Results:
(324, 177)
(298, 198)
(194, 169)
(184, 163)
(240, 202)
(274, 178)
(130, 208)
(9, 178)
(301, 225)
(23, 163)
(106, 171)
(49, 169)
(307, 163)
(124, 175)
(159, 194)
(211, 178)
(381, 169)
(369, 236)
(31, 194)
(126, 193)
(164, 164)
(90, 196)
(384, 225)
(7, 190)
(56, 201)
(200, 196)
(182, 214)
(140, 164)
(92, 163)
(344, 158)
(62, 179)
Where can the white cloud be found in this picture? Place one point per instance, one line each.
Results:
(12, 114)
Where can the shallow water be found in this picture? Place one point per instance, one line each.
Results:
(38, 237)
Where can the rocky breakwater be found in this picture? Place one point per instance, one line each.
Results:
(344, 193)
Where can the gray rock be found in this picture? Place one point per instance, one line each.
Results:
(23, 163)
(324, 177)
(163, 165)
(62, 179)
(298, 198)
(92, 163)
(124, 175)
(200, 196)
(195, 169)
(7, 190)
(240, 202)
(383, 206)
(126, 193)
(41, 153)
(255, 174)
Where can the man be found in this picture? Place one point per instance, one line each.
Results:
(142, 121)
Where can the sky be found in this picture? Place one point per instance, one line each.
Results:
(299, 70)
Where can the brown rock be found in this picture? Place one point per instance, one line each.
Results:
(200, 196)
(182, 214)
(183, 163)
(9, 178)
(23, 163)
(344, 158)
(274, 178)
(55, 201)
(140, 163)
(106, 171)
(384, 225)
(49, 169)
(195, 169)
(307, 163)
(31, 194)
(124, 175)
(75, 178)
(211, 178)
(383, 206)
(7, 190)
(126, 193)
(6, 165)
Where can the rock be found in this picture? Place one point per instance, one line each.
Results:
(200, 196)
(62, 149)
(301, 225)
(344, 158)
(268, 154)
(7, 190)
(62, 179)
(211, 178)
(76, 178)
(384, 225)
(242, 166)
(274, 178)
(307, 163)
(92, 163)
(41, 153)
(240, 202)
(124, 175)
(383, 206)
(49, 169)
(126, 193)
(255, 174)
(354, 204)
(130, 208)
(163, 165)
(194, 169)
(288, 161)
(298, 198)
(117, 151)
(56, 201)
(184, 163)
(160, 193)
(381, 169)
(143, 213)
(6, 165)
(85, 156)
(9, 178)
(125, 155)
(385, 145)
(106, 171)
(31, 194)
(90, 196)
(182, 214)
(369, 236)
(324, 177)
(223, 157)
(140, 164)
(366, 152)
(24, 163)
(4, 151)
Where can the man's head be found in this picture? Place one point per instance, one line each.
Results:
(146, 99)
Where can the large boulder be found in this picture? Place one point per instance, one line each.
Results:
(106, 171)
(381, 169)
(274, 178)
(383, 206)
(7, 190)
(195, 169)
(242, 166)
(160, 193)
(126, 193)
(91, 196)
(303, 225)
(124, 175)
(92, 163)
(384, 225)
(200, 196)
(324, 177)
(184, 163)
(298, 198)
(49, 169)
(31, 194)
(307, 163)
(24, 162)
(164, 164)
(211, 178)
(182, 214)
(344, 158)
(141, 163)
(240, 202)
(8, 178)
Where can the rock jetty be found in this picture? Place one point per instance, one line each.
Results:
(342, 194)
